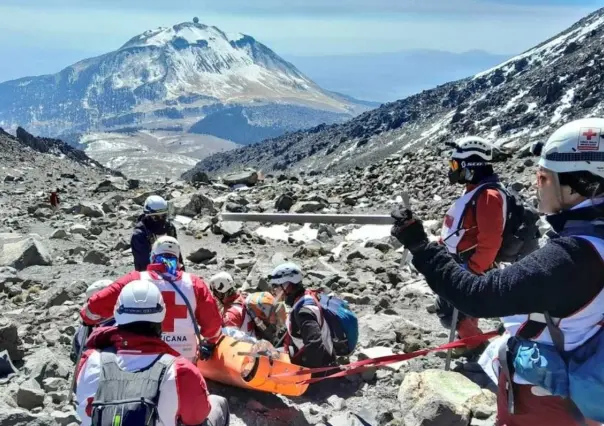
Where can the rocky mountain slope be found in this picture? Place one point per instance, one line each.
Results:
(522, 100)
(172, 78)
(47, 259)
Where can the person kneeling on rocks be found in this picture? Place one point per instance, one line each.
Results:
(129, 376)
(308, 334)
(188, 302)
(231, 299)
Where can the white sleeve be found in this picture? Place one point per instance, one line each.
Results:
(87, 384)
(167, 406)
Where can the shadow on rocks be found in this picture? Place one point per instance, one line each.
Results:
(259, 408)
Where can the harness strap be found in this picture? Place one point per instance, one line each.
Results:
(508, 374)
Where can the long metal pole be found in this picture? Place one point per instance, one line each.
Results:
(346, 219)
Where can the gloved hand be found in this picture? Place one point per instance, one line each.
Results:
(206, 350)
(407, 229)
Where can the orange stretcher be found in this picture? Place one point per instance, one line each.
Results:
(240, 363)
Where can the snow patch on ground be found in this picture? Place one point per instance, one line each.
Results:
(282, 233)
(565, 103)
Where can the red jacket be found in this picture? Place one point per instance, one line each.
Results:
(54, 199)
(485, 231)
(234, 311)
(183, 393)
(177, 326)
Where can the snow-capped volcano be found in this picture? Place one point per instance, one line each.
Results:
(168, 78)
(518, 102)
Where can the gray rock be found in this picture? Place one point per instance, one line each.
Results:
(64, 418)
(24, 253)
(284, 203)
(336, 402)
(228, 229)
(200, 177)
(88, 209)
(30, 395)
(201, 255)
(9, 340)
(19, 417)
(59, 234)
(54, 384)
(307, 207)
(247, 177)
(96, 257)
(346, 419)
(192, 205)
(78, 228)
(45, 363)
(436, 397)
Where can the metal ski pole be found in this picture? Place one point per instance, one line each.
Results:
(451, 338)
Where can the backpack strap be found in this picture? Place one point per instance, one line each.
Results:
(313, 295)
(473, 203)
(189, 308)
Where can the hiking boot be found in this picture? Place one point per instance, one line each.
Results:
(468, 327)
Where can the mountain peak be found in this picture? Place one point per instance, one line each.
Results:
(179, 35)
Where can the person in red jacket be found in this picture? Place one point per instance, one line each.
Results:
(130, 363)
(473, 226)
(232, 301)
(54, 199)
(178, 329)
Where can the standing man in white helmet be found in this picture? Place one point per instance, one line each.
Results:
(473, 227)
(188, 299)
(129, 376)
(548, 364)
(152, 224)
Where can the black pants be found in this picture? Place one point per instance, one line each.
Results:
(444, 311)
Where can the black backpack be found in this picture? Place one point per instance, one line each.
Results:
(521, 233)
(128, 398)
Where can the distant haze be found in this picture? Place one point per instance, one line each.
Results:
(385, 77)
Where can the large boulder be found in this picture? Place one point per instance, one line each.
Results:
(191, 205)
(439, 398)
(30, 395)
(88, 209)
(45, 363)
(307, 207)
(246, 177)
(19, 417)
(24, 253)
(202, 255)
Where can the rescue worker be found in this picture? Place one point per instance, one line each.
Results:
(152, 224)
(231, 299)
(81, 333)
(563, 278)
(472, 235)
(54, 199)
(179, 330)
(308, 334)
(258, 315)
(129, 376)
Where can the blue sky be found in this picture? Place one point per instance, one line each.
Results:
(44, 36)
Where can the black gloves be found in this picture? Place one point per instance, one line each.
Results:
(206, 350)
(408, 230)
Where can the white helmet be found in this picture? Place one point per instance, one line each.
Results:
(286, 273)
(576, 146)
(222, 282)
(472, 145)
(97, 286)
(155, 205)
(140, 301)
(166, 245)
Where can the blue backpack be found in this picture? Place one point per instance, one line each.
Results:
(577, 375)
(343, 323)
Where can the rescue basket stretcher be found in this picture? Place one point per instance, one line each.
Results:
(239, 363)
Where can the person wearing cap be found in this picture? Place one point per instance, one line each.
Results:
(550, 301)
(472, 235)
(81, 333)
(187, 298)
(308, 335)
(152, 224)
(129, 376)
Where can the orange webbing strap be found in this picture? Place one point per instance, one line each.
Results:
(364, 365)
